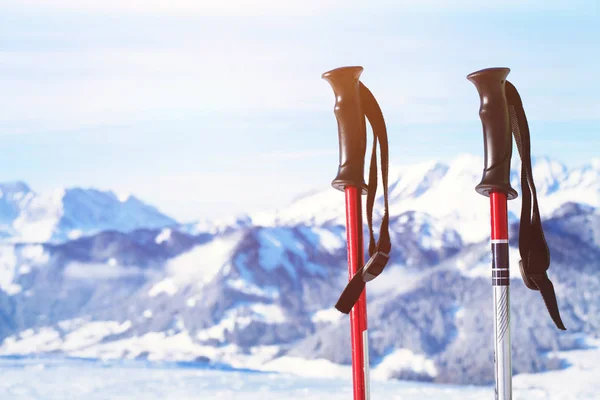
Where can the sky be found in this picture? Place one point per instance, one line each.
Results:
(210, 108)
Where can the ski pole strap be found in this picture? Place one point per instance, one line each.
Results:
(535, 256)
(378, 251)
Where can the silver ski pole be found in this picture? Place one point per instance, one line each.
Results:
(495, 184)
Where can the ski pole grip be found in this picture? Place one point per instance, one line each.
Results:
(497, 134)
(351, 127)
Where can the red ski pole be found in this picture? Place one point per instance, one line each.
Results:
(350, 178)
(353, 102)
(358, 314)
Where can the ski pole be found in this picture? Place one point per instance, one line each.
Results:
(350, 179)
(495, 184)
(354, 102)
(502, 114)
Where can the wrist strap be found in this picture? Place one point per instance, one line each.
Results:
(535, 255)
(378, 251)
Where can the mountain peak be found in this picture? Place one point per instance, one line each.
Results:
(571, 208)
(14, 187)
(66, 212)
(125, 197)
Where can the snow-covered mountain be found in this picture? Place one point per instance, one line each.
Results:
(27, 216)
(258, 291)
(446, 192)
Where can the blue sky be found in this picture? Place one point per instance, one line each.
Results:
(211, 108)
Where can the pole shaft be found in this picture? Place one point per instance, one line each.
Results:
(358, 314)
(501, 295)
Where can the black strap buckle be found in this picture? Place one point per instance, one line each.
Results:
(375, 266)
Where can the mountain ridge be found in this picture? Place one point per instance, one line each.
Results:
(67, 213)
(259, 296)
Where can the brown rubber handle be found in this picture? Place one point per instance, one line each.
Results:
(352, 131)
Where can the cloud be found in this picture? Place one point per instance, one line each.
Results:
(278, 7)
(186, 7)
(82, 75)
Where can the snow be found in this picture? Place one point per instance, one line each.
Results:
(414, 180)
(272, 250)
(324, 239)
(284, 376)
(8, 264)
(402, 360)
(34, 254)
(94, 272)
(397, 279)
(417, 187)
(241, 316)
(234, 318)
(548, 174)
(123, 197)
(446, 193)
(200, 265)
(318, 368)
(314, 209)
(67, 214)
(87, 339)
(217, 331)
(482, 268)
(219, 225)
(579, 381)
(75, 234)
(166, 286)
(40, 214)
(270, 313)
(274, 242)
(24, 269)
(191, 302)
(92, 333)
(327, 315)
(83, 334)
(45, 339)
(247, 286)
(158, 346)
(163, 236)
(153, 345)
(329, 241)
(15, 262)
(82, 379)
(36, 378)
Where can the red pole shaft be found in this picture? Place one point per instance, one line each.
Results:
(358, 314)
(499, 216)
